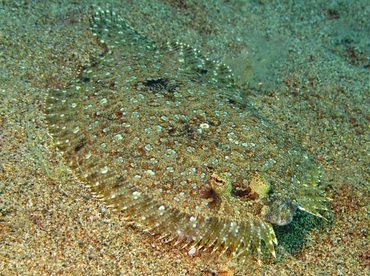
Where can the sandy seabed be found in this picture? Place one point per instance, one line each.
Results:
(305, 67)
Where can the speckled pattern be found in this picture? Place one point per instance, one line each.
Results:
(307, 78)
(155, 131)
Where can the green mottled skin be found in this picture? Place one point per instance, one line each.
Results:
(147, 126)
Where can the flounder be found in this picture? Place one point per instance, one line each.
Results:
(163, 134)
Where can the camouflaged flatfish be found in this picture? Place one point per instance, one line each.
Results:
(163, 135)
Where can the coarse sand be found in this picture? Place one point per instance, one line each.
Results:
(303, 66)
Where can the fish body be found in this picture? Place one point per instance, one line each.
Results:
(163, 134)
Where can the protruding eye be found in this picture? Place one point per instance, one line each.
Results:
(220, 185)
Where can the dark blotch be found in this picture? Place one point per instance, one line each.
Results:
(85, 79)
(202, 71)
(155, 83)
(80, 145)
